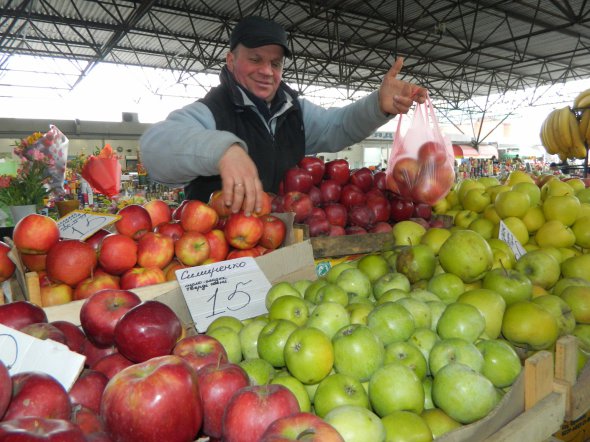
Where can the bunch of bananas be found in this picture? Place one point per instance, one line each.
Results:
(563, 135)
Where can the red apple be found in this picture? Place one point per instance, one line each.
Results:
(154, 401)
(33, 262)
(352, 196)
(298, 203)
(315, 194)
(218, 204)
(433, 152)
(94, 353)
(422, 210)
(297, 179)
(277, 204)
(7, 266)
(265, 206)
(159, 211)
(88, 421)
(336, 214)
(88, 389)
(374, 191)
(380, 181)
(217, 384)
(35, 234)
(315, 166)
(274, 231)
(317, 211)
(380, 207)
(111, 364)
(330, 191)
(43, 331)
(17, 314)
(75, 337)
(252, 409)
(117, 253)
(173, 229)
(243, 231)
(141, 277)
(404, 173)
(170, 269)
(154, 250)
(33, 429)
(147, 330)
(135, 221)
(337, 231)
(218, 245)
(56, 294)
(301, 426)
(5, 388)
(361, 216)
(192, 248)
(178, 210)
(100, 313)
(318, 226)
(401, 209)
(362, 178)
(199, 217)
(355, 230)
(37, 394)
(99, 281)
(200, 350)
(70, 261)
(337, 170)
(380, 227)
(242, 253)
(96, 238)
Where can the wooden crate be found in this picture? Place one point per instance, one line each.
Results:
(577, 387)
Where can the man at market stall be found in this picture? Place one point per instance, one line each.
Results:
(246, 132)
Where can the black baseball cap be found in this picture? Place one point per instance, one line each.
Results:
(254, 32)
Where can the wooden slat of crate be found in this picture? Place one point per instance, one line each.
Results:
(334, 246)
(578, 387)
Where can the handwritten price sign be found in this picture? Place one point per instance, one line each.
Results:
(506, 235)
(235, 287)
(81, 225)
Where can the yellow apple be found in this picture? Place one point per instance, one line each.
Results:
(530, 326)
(453, 198)
(583, 195)
(512, 203)
(554, 188)
(518, 229)
(435, 237)
(576, 183)
(483, 226)
(518, 176)
(489, 181)
(533, 219)
(476, 200)
(564, 208)
(576, 266)
(490, 213)
(441, 206)
(531, 189)
(504, 252)
(465, 185)
(555, 234)
(464, 217)
(495, 190)
(584, 208)
(539, 291)
(581, 229)
(568, 252)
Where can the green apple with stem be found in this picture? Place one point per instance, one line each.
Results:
(291, 308)
(329, 317)
(339, 389)
(416, 262)
(408, 354)
(511, 284)
(539, 267)
(272, 340)
(451, 350)
(358, 351)
(391, 280)
(309, 355)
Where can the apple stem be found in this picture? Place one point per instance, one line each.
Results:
(219, 356)
(503, 268)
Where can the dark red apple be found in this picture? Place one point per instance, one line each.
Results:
(318, 226)
(352, 196)
(112, 364)
(89, 421)
(380, 181)
(297, 179)
(337, 214)
(380, 227)
(33, 429)
(361, 216)
(380, 207)
(401, 209)
(355, 230)
(44, 330)
(153, 401)
(252, 409)
(298, 203)
(200, 350)
(337, 170)
(75, 337)
(362, 178)
(330, 191)
(5, 388)
(148, 330)
(422, 210)
(337, 231)
(316, 195)
(217, 384)
(277, 204)
(88, 389)
(95, 239)
(17, 314)
(94, 353)
(315, 166)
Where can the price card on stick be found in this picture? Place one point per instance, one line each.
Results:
(21, 352)
(236, 287)
(506, 235)
(81, 224)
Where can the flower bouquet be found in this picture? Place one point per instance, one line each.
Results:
(103, 172)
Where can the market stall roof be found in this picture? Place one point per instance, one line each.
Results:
(459, 50)
(465, 151)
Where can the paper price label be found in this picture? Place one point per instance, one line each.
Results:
(506, 235)
(81, 224)
(235, 287)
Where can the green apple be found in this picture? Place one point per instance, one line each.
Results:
(463, 393)
(530, 326)
(447, 286)
(488, 181)
(554, 233)
(518, 229)
(249, 337)
(427, 384)
(335, 271)
(491, 305)
(292, 308)
(461, 320)
(512, 203)
(407, 233)
(439, 422)
(311, 292)
(531, 189)
(392, 296)
(533, 219)
(561, 311)
(484, 227)
(391, 280)
(395, 387)
(358, 351)
(466, 254)
(519, 176)
(450, 350)
(358, 312)
(329, 317)
(416, 262)
(499, 245)
(230, 339)
(259, 371)
(476, 200)
(568, 252)
(565, 282)
(309, 355)
(464, 218)
(296, 388)
(391, 322)
(435, 237)
(337, 390)
(331, 292)
(564, 208)
(511, 284)
(356, 424)
(226, 321)
(466, 185)
(419, 311)
(406, 425)
(540, 267)
(501, 363)
(272, 340)
(424, 295)
(555, 187)
(301, 285)
(424, 338)
(493, 191)
(408, 354)
(279, 289)
(576, 267)
(578, 299)
(374, 266)
(436, 310)
(355, 281)
(576, 183)
(583, 195)
(581, 230)
(582, 333)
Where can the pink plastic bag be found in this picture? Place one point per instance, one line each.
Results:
(54, 144)
(421, 163)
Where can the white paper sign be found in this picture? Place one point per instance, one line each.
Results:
(507, 236)
(80, 224)
(236, 287)
(21, 353)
